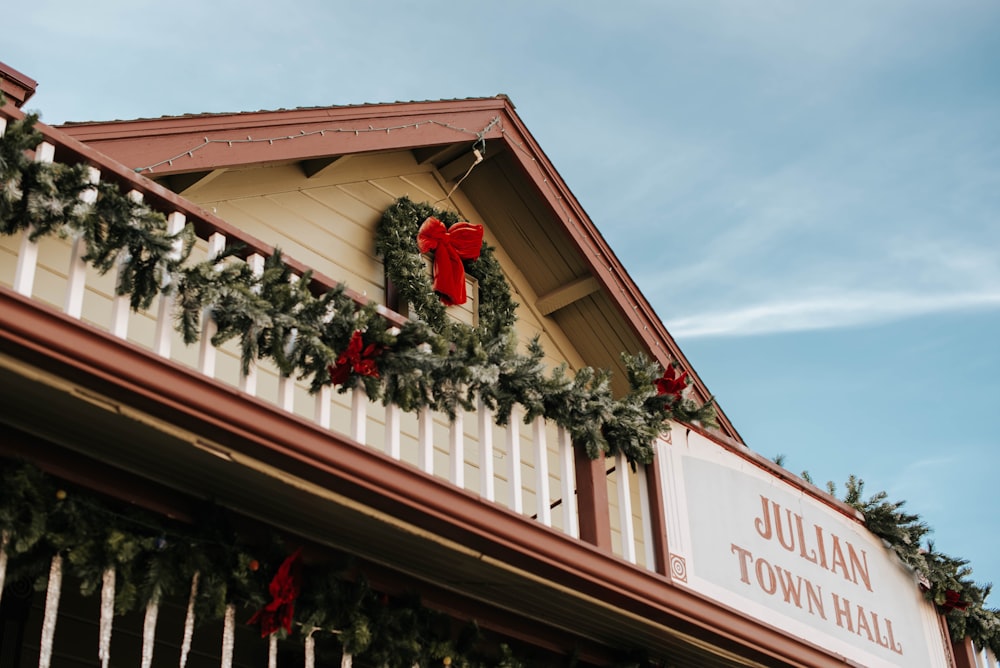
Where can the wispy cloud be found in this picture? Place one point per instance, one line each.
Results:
(846, 310)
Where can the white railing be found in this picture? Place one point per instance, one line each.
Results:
(525, 467)
(528, 468)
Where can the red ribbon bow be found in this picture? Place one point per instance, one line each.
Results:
(358, 358)
(451, 245)
(670, 383)
(953, 601)
(284, 589)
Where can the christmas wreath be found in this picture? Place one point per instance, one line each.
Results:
(396, 240)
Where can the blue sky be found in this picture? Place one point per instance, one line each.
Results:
(807, 192)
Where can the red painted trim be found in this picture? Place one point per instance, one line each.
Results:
(965, 654)
(20, 87)
(780, 472)
(658, 520)
(83, 354)
(592, 500)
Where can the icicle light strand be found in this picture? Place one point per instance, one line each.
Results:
(51, 612)
(189, 620)
(310, 648)
(228, 636)
(189, 153)
(107, 616)
(4, 539)
(149, 630)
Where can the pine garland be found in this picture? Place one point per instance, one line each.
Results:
(337, 608)
(939, 573)
(431, 362)
(434, 363)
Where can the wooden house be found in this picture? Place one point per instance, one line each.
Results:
(444, 503)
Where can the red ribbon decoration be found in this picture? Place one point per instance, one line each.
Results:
(358, 358)
(284, 589)
(953, 601)
(670, 383)
(451, 245)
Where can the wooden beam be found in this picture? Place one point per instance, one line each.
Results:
(437, 155)
(567, 294)
(183, 184)
(320, 166)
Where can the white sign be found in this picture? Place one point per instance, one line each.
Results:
(742, 536)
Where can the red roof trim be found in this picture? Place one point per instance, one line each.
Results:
(17, 85)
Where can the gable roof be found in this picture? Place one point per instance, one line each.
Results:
(539, 210)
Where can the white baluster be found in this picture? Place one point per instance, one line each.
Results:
(27, 255)
(625, 508)
(647, 518)
(164, 328)
(76, 276)
(425, 440)
(248, 380)
(567, 476)
(542, 471)
(206, 351)
(487, 480)
(323, 407)
(392, 428)
(323, 397)
(514, 465)
(456, 441)
(286, 384)
(120, 304)
(359, 414)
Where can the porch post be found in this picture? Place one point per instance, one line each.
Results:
(965, 653)
(657, 521)
(592, 499)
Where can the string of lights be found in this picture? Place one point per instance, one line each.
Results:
(479, 134)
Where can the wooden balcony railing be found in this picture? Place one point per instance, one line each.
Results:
(528, 468)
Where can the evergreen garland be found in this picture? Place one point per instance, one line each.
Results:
(944, 580)
(156, 557)
(430, 362)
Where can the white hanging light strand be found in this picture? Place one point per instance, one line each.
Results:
(4, 539)
(149, 630)
(310, 647)
(189, 153)
(228, 636)
(107, 616)
(346, 660)
(189, 620)
(51, 612)
(272, 651)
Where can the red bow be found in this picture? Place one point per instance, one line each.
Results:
(953, 601)
(284, 589)
(671, 383)
(451, 245)
(355, 359)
